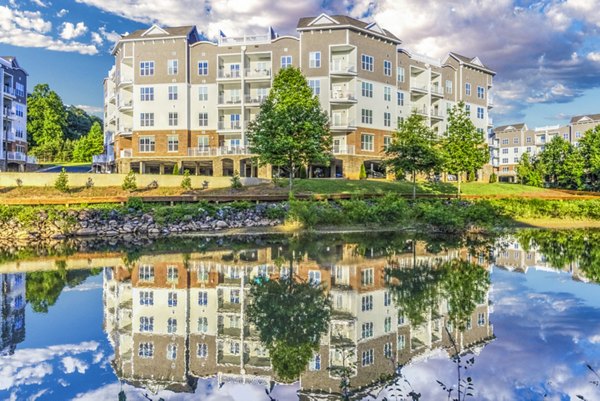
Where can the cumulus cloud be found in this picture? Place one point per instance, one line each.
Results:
(62, 13)
(110, 36)
(71, 365)
(97, 38)
(40, 3)
(71, 31)
(30, 29)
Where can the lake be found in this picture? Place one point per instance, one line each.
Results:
(367, 316)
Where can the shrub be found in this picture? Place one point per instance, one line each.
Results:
(89, 183)
(186, 182)
(236, 182)
(135, 203)
(363, 172)
(129, 182)
(176, 169)
(19, 182)
(62, 182)
(493, 178)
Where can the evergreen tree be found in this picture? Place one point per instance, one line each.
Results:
(291, 129)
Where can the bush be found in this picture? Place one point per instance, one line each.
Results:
(62, 182)
(186, 182)
(89, 183)
(176, 169)
(135, 203)
(493, 178)
(129, 183)
(363, 172)
(236, 182)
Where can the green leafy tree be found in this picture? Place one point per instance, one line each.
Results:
(46, 120)
(78, 122)
(464, 148)
(413, 149)
(62, 181)
(562, 164)
(362, 175)
(291, 129)
(129, 182)
(89, 145)
(529, 171)
(186, 182)
(589, 146)
(176, 169)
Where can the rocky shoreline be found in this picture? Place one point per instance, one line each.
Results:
(90, 223)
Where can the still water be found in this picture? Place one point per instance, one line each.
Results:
(327, 317)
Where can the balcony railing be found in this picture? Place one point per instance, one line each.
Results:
(490, 101)
(418, 87)
(437, 113)
(421, 110)
(229, 125)
(228, 99)
(10, 135)
(233, 150)
(125, 81)
(490, 122)
(126, 105)
(342, 124)
(240, 40)
(437, 90)
(103, 159)
(125, 131)
(10, 113)
(225, 73)
(9, 90)
(126, 153)
(337, 96)
(21, 157)
(255, 99)
(202, 151)
(343, 149)
(258, 73)
(339, 67)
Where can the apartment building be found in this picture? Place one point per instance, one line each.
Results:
(12, 318)
(510, 142)
(175, 99)
(174, 319)
(13, 104)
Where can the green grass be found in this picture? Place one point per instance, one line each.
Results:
(480, 188)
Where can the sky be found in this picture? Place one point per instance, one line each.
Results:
(546, 53)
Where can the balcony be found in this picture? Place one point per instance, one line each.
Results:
(229, 100)
(342, 125)
(490, 102)
(20, 157)
(419, 88)
(229, 307)
(343, 149)
(9, 91)
(125, 106)
(126, 131)
(254, 100)
(229, 126)
(338, 67)
(233, 150)
(421, 111)
(225, 73)
(438, 114)
(242, 40)
(10, 135)
(258, 73)
(490, 122)
(125, 81)
(126, 153)
(202, 151)
(342, 97)
(437, 90)
(9, 113)
(102, 159)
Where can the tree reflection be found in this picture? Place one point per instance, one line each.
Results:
(291, 316)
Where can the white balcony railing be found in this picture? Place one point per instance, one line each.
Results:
(228, 99)
(240, 40)
(341, 96)
(9, 90)
(10, 135)
(437, 90)
(255, 99)
(125, 131)
(418, 87)
(342, 124)
(202, 151)
(232, 150)
(8, 112)
(229, 125)
(226, 73)
(103, 158)
(16, 156)
(341, 67)
(490, 122)
(258, 73)
(343, 149)
(421, 110)
(126, 105)
(125, 81)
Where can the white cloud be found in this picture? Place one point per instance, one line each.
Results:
(111, 36)
(594, 56)
(71, 365)
(29, 29)
(70, 31)
(62, 13)
(97, 38)
(40, 3)
(37, 395)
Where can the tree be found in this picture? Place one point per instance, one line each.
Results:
(529, 171)
(46, 120)
(129, 182)
(589, 146)
(464, 148)
(291, 129)
(62, 181)
(78, 122)
(562, 164)
(89, 145)
(413, 149)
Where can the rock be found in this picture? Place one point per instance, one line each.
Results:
(221, 224)
(111, 233)
(85, 232)
(58, 236)
(154, 231)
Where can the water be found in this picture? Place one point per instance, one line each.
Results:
(368, 316)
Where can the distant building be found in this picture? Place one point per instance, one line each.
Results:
(510, 142)
(12, 312)
(13, 106)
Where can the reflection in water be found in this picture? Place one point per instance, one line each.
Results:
(12, 307)
(261, 315)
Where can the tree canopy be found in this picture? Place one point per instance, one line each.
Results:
(89, 145)
(291, 129)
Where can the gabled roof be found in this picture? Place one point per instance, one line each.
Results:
(585, 118)
(338, 21)
(11, 61)
(157, 32)
(470, 61)
(516, 127)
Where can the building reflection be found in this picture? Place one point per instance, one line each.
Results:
(174, 318)
(12, 307)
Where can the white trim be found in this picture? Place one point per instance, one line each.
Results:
(154, 27)
(317, 20)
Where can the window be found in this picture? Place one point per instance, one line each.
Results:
(505, 160)
(387, 324)
(367, 357)
(505, 141)
(387, 350)
(314, 276)
(505, 151)
(528, 140)
(203, 93)
(400, 121)
(515, 150)
(387, 94)
(171, 325)
(387, 68)
(516, 141)
(234, 296)
(146, 298)
(286, 61)
(366, 277)
(366, 116)
(146, 324)
(146, 94)
(516, 159)
(528, 148)
(505, 169)
(367, 303)
(566, 136)
(480, 92)
(315, 86)
(147, 119)
(468, 109)
(315, 363)
(577, 134)
(172, 67)
(173, 146)
(480, 113)
(387, 119)
(202, 351)
(173, 119)
(314, 60)
(400, 98)
(203, 298)
(147, 144)
(366, 62)
(20, 89)
(387, 299)
(401, 341)
(448, 86)
(367, 330)
(203, 144)
(367, 89)
(172, 92)
(171, 351)
(19, 111)
(401, 319)
(480, 319)
(146, 350)
(387, 141)
(172, 299)
(146, 273)
(147, 68)
(468, 89)
(469, 324)
(203, 325)
(400, 73)
(366, 142)
(172, 273)
(203, 119)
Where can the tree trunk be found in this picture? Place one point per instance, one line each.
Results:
(458, 179)
(414, 179)
(292, 168)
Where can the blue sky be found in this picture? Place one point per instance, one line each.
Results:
(546, 53)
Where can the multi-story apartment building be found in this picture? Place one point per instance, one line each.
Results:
(13, 106)
(172, 98)
(510, 142)
(12, 317)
